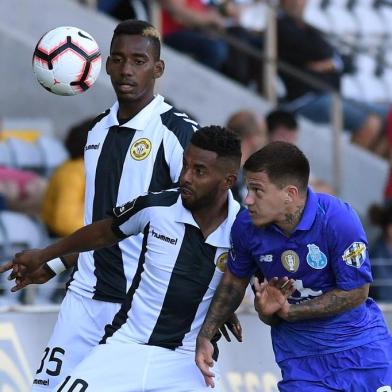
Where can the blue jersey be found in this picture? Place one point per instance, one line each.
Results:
(327, 250)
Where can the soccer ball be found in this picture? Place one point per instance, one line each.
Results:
(67, 61)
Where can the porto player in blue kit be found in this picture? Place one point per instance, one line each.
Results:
(327, 334)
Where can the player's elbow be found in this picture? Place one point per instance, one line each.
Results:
(360, 294)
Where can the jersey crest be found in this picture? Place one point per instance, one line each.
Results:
(141, 149)
(222, 262)
(315, 257)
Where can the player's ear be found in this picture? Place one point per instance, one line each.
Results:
(230, 180)
(159, 68)
(292, 193)
(107, 65)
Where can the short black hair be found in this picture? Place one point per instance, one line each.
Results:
(139, 27)
(221, 140)
(284, 163)
(76, 138)
(278, 118)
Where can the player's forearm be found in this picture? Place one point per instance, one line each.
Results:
(70, 260)
(270, 320)
(328, 304)
(91, 237)
(227, 298)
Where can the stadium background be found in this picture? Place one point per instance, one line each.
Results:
(25, 106)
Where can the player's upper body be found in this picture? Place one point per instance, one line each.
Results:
(177, 273)
(134, 147)
(327, 250)
(315, 239)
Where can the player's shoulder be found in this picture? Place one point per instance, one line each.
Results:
(335, 211)
(242, 221)
(178, 121)
(98, 119)
(165, 198)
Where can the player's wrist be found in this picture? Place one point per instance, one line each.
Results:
(57, 265)
(284, 311)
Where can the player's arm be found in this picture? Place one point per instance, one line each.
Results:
(226, 300)
(329, 304)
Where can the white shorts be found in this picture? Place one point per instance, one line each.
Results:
(79, 327)
(133, 367)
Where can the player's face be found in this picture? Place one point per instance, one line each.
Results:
(202, 178)
(132, 67)
(265, 201)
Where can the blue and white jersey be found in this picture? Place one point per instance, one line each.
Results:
(327, 250)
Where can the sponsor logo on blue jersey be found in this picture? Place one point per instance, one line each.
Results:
(315, 258)
(266, 258)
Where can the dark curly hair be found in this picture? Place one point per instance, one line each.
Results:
(220, 140)
(76, 139)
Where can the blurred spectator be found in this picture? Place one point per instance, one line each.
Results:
(283, 126)
(251, 130)
(22, 190)
(381, 252)
(125, 9)
(63, 207)
(184, 24)
(304, 47)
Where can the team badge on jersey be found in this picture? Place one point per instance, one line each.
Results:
(222, 262)
(355, 254)
(315, 258)
(141, 149)
(290, 260)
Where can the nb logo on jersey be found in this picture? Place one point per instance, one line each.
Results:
(162, 237)
(266, 258)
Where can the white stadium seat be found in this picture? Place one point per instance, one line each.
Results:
(26, 155)
(53, 152)
(317, 17)
(6, 158)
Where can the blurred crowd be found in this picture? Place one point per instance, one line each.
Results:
(200, 28)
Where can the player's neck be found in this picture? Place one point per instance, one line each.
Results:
(129, 109)
(291, 219)
(212, 216)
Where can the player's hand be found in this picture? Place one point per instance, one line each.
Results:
(272, 296)
(24, 262)
(234, 326)
(203, 359)
(40, 276)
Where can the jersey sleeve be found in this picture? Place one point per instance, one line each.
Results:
(349, 249)
(240, 261)
(131, 218)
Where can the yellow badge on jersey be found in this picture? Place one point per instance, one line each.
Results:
(290, 260)
(141, 149)
(222, 262)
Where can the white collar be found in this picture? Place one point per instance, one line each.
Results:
(140, 120)
(220, 237)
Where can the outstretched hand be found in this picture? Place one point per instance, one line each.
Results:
(204, 360)
(40, 276)
(272, 296)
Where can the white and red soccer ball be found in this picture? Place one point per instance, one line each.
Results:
(67, 61)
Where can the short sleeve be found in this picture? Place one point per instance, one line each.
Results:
(130, 218)
(240, 261)
(349, 249)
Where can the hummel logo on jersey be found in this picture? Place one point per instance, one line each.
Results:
(266, 258)
(163, 237)
(92, 147)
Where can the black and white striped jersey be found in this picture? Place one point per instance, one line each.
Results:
(121, 163)
(177, 274)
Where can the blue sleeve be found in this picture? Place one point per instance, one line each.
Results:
(240, 261)
(349, 249)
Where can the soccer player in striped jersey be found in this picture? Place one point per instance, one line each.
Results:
(135, 146)
(328, 335)
(150, 344)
